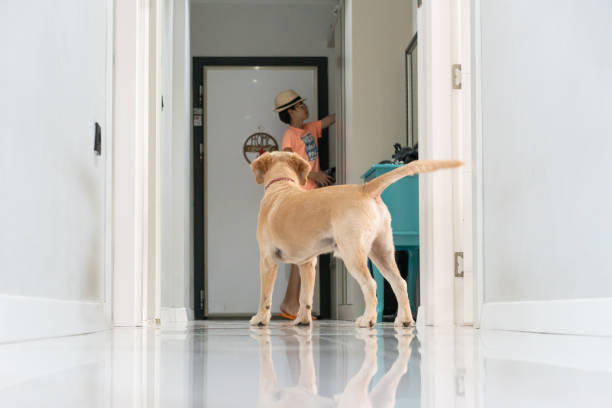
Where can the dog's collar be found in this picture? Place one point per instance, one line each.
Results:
(279, 179)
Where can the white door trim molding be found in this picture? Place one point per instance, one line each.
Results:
(130, 167)
(108, 157)
(477, 166)
(435, 142)
(572, 316)
(152, 183)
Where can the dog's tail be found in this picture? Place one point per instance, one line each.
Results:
(375, 187)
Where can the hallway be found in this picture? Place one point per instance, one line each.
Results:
(228, 364)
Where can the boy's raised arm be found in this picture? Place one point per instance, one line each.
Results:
(328, 120)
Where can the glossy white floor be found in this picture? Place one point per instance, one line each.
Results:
(228, 364)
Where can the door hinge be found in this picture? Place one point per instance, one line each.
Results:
(201, 299)
(458, 264)
(201, 152)
(456, 75)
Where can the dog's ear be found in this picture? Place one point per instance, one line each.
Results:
(260, 166)
(301, 167)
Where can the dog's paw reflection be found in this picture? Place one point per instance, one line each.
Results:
(358, 391)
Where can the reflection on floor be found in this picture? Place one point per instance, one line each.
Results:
(332, 364)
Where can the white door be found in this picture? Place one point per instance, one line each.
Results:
(239, 101)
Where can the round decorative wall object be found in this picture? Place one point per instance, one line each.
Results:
(257, 144)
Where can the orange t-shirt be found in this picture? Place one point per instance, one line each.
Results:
(305, 142)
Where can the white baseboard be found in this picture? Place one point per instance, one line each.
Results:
(24, 318)
(590, 353)
(421, 320)
(176, 314)
(577, 316)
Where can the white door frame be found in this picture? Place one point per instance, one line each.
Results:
(477, 210)
(444, 133)
(132, 134)
(108, 147)
(436, 212)
(462, 138)
(349, 302)
(445, 122)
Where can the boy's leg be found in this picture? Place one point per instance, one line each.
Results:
(291, 302)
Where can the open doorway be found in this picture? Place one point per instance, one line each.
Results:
(367, 89)
(232, 100)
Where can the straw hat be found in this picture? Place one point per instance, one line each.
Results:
(286, 99)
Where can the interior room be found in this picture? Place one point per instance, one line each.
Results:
(398, 203)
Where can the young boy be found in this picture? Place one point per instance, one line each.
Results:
(301, 138)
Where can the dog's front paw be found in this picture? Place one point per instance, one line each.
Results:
(366, 321)
(260, 319)
(303, 319)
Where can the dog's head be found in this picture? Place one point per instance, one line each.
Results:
(280, 164)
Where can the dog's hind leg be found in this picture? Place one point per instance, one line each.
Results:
(307, 281)
(383, 256)
(356, 263)
(267, 269)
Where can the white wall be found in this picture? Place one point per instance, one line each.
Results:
(53, 78)
(379, 37)
(261, 28)
(266, 28)
(547, 143)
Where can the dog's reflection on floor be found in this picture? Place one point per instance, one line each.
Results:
(355, 394)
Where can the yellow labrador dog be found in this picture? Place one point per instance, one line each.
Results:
(296, 225)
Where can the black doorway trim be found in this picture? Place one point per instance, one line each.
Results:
(198, 166)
